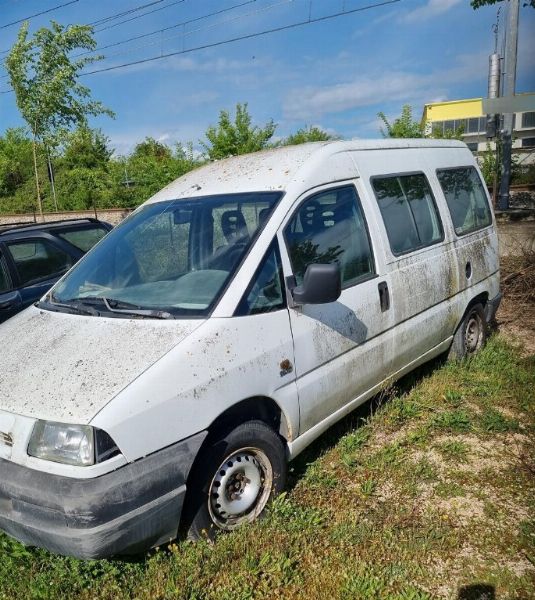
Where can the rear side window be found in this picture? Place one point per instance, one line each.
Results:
(84, 239)
(409, 212)
(330, 227)
(36, 260)
(466, 199)
(5, 282)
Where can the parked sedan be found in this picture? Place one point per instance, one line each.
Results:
(34, 256)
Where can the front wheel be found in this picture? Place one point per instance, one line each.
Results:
(234, 479)
(471, 334)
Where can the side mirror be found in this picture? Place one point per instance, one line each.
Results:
(321, 284)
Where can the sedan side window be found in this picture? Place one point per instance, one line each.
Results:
(85, 238)
(5, 280)
(330, 227)
(37, 260)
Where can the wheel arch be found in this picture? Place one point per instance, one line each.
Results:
(481, 298)
(261, 408)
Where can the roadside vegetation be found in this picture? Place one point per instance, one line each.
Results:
(426, 492)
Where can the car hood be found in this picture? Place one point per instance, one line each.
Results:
(66, 368)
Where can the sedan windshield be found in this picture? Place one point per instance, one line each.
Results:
(169, 259)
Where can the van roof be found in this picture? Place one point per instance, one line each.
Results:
(278, 168)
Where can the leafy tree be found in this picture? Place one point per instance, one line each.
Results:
(152, 165)
(402, 127)
(239, 137)
(479, 3)
(15, 160)
(151, 148)
(44, 78)
(308, 134)
(406, 127)
(85, 147)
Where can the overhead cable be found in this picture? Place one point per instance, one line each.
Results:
(43, 12)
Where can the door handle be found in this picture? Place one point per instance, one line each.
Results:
(384, 296)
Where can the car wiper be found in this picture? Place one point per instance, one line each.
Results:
(126, 308)
(70, 305)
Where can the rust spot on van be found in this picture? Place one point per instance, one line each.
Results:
(286, 367)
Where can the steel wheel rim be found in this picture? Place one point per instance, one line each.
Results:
(473, 333)
(240, 488)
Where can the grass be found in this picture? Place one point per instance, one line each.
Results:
(425, 493)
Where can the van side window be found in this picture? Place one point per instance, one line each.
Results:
(330, 227)
(409, 212)
(466, 199)
(266, 291)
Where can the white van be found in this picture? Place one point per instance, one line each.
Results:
(167, 379)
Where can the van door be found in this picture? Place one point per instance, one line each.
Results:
(342, 349)
(421, 263)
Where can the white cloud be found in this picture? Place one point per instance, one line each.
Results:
(430, 10)
(313, 102)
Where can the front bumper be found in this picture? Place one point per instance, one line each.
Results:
(126, 511)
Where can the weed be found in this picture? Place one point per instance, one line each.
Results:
(368, 486)
(453, 397)
(493, 421)
(457, 420)
(453, 450)
(449, 489)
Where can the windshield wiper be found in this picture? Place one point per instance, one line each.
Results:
(71, 305)
(126, 308)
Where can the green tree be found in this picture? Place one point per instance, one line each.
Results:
(15, 160)
(230, 138)
(307, 134)
(85, 147)
(479, 3)
(151, 166)
(44, 78)
(151, 148)
(402, 127)
(406, 127)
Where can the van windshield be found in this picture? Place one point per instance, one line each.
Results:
(168, 259)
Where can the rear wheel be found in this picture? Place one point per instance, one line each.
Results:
(471, 334)
(235, 477)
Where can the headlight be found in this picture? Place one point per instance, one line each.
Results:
(80, 445)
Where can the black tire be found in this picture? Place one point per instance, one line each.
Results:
(233, 480)
(471, 334)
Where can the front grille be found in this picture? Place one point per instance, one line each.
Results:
(6, 439)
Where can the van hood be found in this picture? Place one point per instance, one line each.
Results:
(66, 368)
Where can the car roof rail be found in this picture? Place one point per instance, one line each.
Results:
(13, 227)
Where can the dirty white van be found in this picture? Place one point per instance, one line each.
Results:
(167, 379)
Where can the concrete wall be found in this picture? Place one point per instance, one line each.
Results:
(111, 215)
(516, 229)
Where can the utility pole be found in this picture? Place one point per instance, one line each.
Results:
(511, 47)
(493, 120)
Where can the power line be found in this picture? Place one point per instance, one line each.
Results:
(44, 12)
(109, 17)
(160, 31)
(124, 13)
(242, 37)
(139, 16)
(184, 34)
(175, 26)
(308, 21)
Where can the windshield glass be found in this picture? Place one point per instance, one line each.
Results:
(175, 257)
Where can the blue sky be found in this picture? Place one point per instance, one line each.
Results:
(336, 74)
